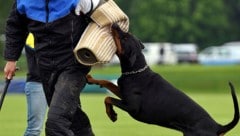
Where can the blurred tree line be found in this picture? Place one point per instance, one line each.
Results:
(204, 22)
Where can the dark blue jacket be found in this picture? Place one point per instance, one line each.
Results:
(55, 27)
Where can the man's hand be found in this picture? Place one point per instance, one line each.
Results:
(9, 70)
(86, 6)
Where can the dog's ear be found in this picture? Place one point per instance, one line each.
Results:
(142, 46)
(139, 42)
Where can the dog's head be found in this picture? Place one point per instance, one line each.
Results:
(128, 46)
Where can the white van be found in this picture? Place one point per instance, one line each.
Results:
(159, 53)
(227, 54)
(186, 52)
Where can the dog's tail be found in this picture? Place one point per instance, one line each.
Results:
(235, 120)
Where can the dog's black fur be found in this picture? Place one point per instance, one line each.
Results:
(149, 98)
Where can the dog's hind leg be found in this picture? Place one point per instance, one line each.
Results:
(109, 109)
(104, 83)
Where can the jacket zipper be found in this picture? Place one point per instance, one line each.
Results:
(47, 11)
(47, 23)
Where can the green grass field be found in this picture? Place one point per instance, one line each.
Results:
(206, 85)
(13, 116)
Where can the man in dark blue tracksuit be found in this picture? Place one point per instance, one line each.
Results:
(56, 29)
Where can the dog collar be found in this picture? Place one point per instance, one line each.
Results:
(135, 72)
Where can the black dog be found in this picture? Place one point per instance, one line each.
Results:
(149, 98)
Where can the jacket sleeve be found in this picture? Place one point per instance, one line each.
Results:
(16, 34)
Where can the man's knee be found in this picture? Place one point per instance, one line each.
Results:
(57, 125)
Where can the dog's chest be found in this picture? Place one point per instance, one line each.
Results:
(135, 85)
